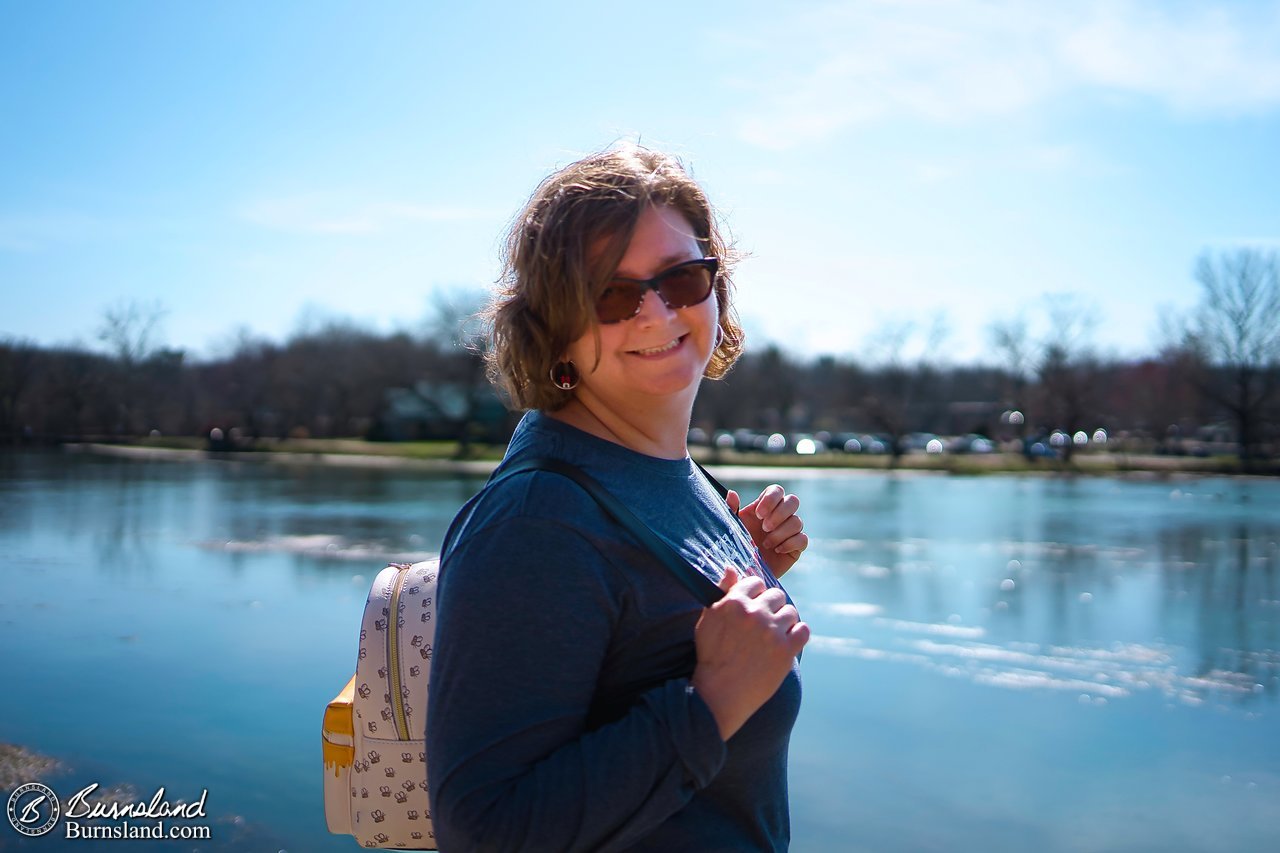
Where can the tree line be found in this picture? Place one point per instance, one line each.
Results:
(1216, 376)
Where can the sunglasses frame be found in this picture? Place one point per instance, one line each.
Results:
(655, 284)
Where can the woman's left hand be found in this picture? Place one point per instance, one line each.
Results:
(774, 526)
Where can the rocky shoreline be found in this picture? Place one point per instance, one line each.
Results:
(19, 765)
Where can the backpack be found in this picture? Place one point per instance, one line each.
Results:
(375, 760)
(372, 735)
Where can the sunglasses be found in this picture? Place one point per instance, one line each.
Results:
(679, 287)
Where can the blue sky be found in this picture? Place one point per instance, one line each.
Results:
(256, 167)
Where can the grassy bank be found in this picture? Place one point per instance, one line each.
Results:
(990, 463)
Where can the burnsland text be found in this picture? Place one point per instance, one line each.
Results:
(79, 806)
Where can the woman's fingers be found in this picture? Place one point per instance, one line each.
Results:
(783, 512)
(757, 597)
(767, 507)
(774, 525)
(728, 580)
(797, 637)
(785, 509)
(746, 644)
(795, 546)
(787, 529)
(773, 599)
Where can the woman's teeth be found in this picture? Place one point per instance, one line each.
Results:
(669, 345)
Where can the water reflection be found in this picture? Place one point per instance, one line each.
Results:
(1224, 588)
(123, 509)
(1102, 588)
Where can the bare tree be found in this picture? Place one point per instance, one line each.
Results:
(465, 391)
(1068, 367)
(903, 387)
(244, 382)
(1237, 330)
(1168, 403)
(130, 329)
(17, 367)
(1011, 340)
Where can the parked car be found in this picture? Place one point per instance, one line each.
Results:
(972, 443)
(1039, 447)
(807, 445)
(922, 441)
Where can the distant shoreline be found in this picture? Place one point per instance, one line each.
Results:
(478, 467)
(352, 453)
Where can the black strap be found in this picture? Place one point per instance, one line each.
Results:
(695, 581)
(715, 484)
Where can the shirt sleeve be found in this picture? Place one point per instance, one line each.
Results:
(526, 616)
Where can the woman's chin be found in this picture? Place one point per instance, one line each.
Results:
(673, 386)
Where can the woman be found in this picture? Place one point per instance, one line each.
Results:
(581, 698)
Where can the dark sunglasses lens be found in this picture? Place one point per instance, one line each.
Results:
(681, 286)
(618, 302)
(685, 285)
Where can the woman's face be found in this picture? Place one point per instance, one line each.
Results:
(661, 351)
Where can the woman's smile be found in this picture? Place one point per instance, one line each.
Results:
(659, 351)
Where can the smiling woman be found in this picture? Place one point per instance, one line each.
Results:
(655, 357)
(565, 253)
(583, 697)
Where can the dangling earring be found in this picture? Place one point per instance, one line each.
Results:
(719, 337)
(564, 375)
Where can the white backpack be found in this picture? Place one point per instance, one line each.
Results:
(375, 760)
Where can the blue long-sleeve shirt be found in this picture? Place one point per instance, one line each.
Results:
(560, 715)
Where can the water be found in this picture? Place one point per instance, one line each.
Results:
(1033, 663)
(999, 663)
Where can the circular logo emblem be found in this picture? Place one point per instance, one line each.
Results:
(33, 809)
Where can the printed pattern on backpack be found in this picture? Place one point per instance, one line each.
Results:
(388, 774)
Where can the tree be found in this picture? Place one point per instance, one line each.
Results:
(130, 330)
(1011, 340)
(902, 390)
(456, 318)
(1068, 368)
(17, 367)
(1237, 331)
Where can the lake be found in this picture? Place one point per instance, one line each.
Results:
(999, 663)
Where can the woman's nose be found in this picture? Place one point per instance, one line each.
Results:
(653, 309)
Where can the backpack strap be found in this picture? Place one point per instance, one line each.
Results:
(693, 580)
(715, 484)
(724, 495)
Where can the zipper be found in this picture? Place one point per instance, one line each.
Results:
(393, 655)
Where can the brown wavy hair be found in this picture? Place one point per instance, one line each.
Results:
(564, 246)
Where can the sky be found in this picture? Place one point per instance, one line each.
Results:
(255, 169)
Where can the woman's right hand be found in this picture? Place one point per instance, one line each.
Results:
(747, 642)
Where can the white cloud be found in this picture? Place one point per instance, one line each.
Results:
(859, 62)
(1208, 58)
